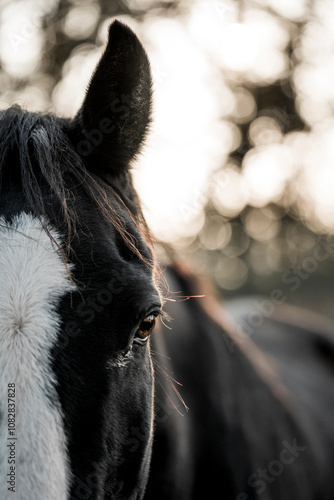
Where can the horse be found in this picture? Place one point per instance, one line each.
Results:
(119, 380)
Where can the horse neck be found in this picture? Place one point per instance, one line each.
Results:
(217, 366)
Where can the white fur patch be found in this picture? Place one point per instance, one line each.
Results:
(33, 278)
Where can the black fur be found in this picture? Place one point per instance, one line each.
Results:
(239, 420)
(115, 115)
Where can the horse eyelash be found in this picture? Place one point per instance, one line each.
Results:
(164, 317)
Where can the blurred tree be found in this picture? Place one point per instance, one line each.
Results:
(57, 53)
(247, 245)
(266, 245)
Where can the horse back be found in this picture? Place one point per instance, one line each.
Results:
(238, 418)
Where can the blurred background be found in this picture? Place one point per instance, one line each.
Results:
(238, 173)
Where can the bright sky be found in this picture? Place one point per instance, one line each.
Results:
(199, 60)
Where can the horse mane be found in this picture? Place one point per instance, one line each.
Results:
(37, 155)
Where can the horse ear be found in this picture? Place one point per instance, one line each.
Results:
(114, 118)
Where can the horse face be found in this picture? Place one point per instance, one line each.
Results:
(78, 301)
(103, 360)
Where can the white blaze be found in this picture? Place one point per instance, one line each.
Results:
(33, 279)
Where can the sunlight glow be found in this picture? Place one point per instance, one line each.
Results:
(205, 60)
(69, 93)
(318, 177)
(186, 141)
(229, 192)
(294, 10)
(261, 225)
(20, 39)
(238, 47)
(245, 107)
(81, 21)
(266, 170)
(265, 130)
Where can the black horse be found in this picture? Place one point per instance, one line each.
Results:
(91, 406)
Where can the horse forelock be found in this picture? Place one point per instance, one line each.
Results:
(39, 158)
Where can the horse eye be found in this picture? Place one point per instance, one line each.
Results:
(146, 327)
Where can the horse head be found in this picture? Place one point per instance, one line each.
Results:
(78, 294)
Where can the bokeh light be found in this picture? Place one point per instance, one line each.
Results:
(237, 172)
